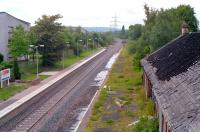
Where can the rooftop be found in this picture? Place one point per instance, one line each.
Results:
(174, 71)
(15, 18)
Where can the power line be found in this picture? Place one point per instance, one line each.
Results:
(114, 22)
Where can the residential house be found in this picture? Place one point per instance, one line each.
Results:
(7, 23)
(172, 80)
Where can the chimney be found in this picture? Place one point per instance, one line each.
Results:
(185, 28)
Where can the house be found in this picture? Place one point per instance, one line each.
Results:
(7, 23)
(172, 80)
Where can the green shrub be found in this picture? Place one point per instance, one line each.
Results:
(1, 58)
(146, 125)
(16, 72)
(5, 65)
(137, 81)
(110, 122)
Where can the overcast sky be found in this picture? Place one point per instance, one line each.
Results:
(89, 13)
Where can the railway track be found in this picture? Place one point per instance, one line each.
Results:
(42, 106)
(30, 121)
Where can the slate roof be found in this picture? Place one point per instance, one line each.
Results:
(174, 71)
(16, 18)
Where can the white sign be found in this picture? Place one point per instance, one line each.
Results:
(5, 75)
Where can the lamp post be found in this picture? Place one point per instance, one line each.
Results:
(89, 39)
(97, 41)
(63, 64)
(86, 44)
(86, 41)
(37, 56)
(77, 46)
(68, 45)
(93, 44)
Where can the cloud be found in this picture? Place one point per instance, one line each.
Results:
(89, 12)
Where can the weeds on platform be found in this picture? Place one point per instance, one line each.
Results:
(123, 100)
(11, 90)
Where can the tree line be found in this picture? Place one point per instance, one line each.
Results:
(51, 39)
(160, 27)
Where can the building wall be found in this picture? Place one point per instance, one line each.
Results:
(3, 34)
(147, 86)
(7, 23)
(163, 127)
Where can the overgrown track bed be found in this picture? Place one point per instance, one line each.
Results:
(65, 96)
(122, 100)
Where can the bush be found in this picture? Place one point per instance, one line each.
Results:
(16, 72)
(136, 59)
(146, 125)
(1, 58)
(5, 65)
(132, 47)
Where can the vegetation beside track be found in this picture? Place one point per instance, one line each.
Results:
(123, 100)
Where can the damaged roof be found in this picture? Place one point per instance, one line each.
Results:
(174, 71)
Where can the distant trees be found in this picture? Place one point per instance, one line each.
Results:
(160, 26)
(78, 40)
(56, 39)
(135, 31)
(123, 32)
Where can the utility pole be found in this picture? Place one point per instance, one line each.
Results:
(115, 22)
(63, 56)
(37, 61)
(87, 40)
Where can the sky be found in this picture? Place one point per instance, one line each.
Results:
(89, 13)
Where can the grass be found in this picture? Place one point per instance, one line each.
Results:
(68, 61)
(125, 80)
(11, 90)
(28, 68)
(29, 77)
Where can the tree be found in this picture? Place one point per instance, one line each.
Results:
(123, 32)
(167, 25)
(186, 13)
(50, 35)
(77, 45)
(1, 58)
(16, 71)
(135, 31)
(32, 40)
(161, 26)
(18, 44)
